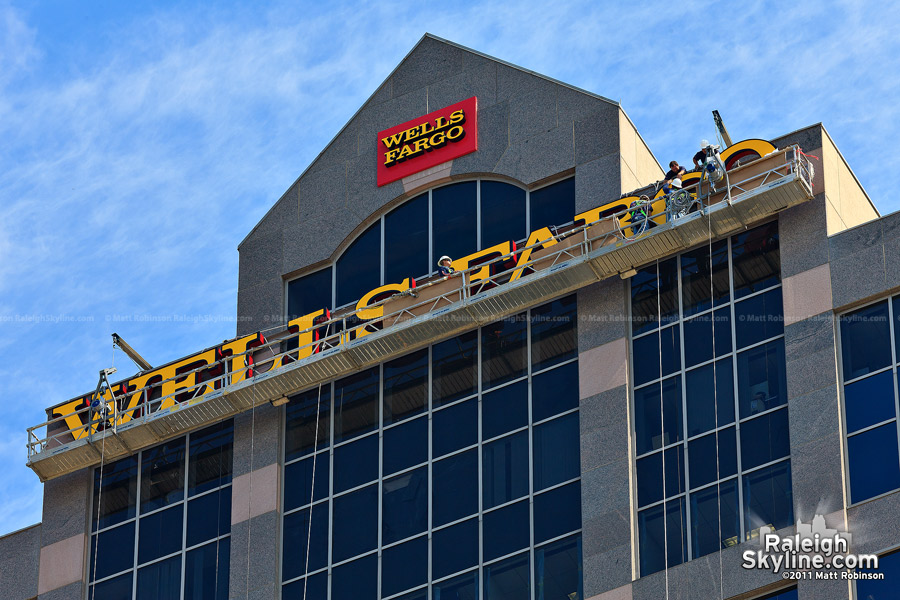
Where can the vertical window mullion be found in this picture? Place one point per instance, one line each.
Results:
(137, 523)
(380, 433)
(184, 515)
(890, 304)
(429, 407)
(736, 394)
(530, 456)
(431, 261)
(478, 214)
(684, 430)
(480, 570)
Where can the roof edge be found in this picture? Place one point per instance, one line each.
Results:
(387, 79)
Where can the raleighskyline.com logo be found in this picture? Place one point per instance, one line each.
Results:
(814, 552)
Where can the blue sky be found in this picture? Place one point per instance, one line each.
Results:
(140, 142)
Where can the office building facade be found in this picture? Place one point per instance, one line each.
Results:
(609, 400)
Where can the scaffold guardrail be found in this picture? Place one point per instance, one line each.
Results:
(278, 366)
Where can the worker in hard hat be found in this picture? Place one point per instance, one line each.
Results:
(444, 267)
(704, 158)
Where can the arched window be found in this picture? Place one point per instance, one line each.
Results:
(456, 219)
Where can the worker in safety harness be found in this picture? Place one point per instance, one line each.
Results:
(444, 267)
(705, 158)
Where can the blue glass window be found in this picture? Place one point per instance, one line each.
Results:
(502, 213)
(654, 293)
(650, 475)
(557, 570)
(162, 475)
(355, 463)
(756, 259)
(505, 469)
(160, 580)
(768, 499)
(206, 571)
(464, 587)
(304, 428)
(404, 566)
(713, 457)
(557, 452)
(454, 427)
(314, 587)
(209, 516)
(108, 551)
(357, 580)
(508, 579)
(503, 351)
(766, 439)
(405, 505)
(505, 530)
(710, 395)
(869, 401)
(359, 267)
(758, 318)
(700, 333)
(761, 378)
(455, 481)
(554, 391)
(406, 241)
(553, 205)
(557, 512)
(356, 404)
(355, 522)
(453, 368)
(711, 508)
(117, 502)
(210, 457)
(656, 350)
(553, 333)
(454, 548)
(160, 533)
(405, 386)
(298, 534)
(309, 293)
(865, 340)
(504, 409)
(695, 278)
(880, 589)
(874, 462)
(405, 445)
(298, 481)
(655, 536)
(454, 219)
(117, 588)
(658, 415)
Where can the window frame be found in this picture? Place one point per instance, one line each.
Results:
(478, 447)
(183, 550)
(678, 321)
(893, 368)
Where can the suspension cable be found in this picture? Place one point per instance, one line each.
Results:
(712, 316)
(250, 474)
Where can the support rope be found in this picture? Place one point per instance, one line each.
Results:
(250, 474)
(712, 316)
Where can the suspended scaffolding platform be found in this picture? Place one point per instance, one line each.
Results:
(278, 364)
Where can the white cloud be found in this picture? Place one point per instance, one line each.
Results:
(128, 179)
